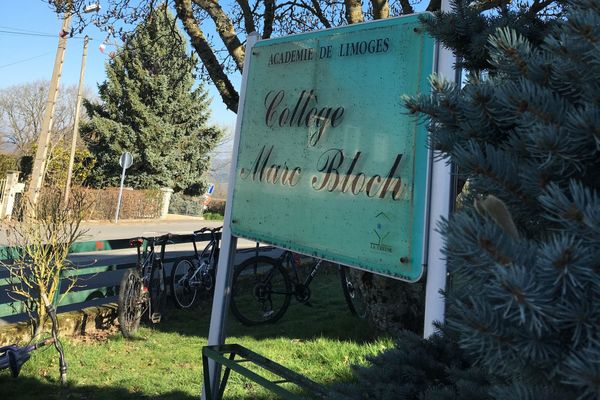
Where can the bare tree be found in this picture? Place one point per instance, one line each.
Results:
(21, 112)
(40, 246)
(223, 54)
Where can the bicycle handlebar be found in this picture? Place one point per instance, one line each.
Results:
(157, 240)
(207, 229)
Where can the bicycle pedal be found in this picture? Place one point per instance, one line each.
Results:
(155, 318)
(307, 304)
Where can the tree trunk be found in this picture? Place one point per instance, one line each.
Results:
(40, 320)
(354, 12)
(392, 305)
(381, 9)
(209, 60)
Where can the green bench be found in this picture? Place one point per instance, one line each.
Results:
(225, 355)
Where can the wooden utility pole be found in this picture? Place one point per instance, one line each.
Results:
(76, 122)
(39, 163)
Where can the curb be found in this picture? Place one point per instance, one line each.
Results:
(73, 323)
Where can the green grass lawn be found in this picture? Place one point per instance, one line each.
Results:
(164, 361)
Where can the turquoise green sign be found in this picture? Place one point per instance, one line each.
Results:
(329, 162)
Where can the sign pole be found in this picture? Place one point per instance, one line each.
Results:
(216, 334)
(120, 194)
(125, 161)
(439, 207)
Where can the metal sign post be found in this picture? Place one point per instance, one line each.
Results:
(125, 161)
(216, 334)
(439, 207)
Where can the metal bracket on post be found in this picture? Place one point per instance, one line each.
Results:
(216, 334)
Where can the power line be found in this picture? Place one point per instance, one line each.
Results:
(36, 34)
(10, 28)
(26, 59)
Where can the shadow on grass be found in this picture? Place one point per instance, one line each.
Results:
(24, 388)
(328, 316)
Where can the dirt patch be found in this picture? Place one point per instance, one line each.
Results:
(97, 335)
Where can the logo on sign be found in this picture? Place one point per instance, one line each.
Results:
(381, 233)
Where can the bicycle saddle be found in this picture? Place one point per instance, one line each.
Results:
(137, 242)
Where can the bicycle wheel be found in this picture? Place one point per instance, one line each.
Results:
(352, 293)
(130, 302)
(158, 295)
(183, 290)
(261, 291)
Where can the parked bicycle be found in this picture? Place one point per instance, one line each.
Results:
(190, 275)
(262, 288)
(143, 288)
(13, 357)
(350, 280)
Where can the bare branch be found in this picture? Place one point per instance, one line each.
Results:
(21, 111)
(318, 11)
(315, 9)
(434, 5)
(248, 18)
(538, 6)
(407, 8)
(269, 17)
(213, 67)
(484, 5)
(225, 29)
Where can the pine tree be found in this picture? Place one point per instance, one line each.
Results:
(151, 108)
(523, 250)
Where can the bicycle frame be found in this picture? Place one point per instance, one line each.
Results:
(191, 274)
(146, 261)
(206, 259)
(292, 261)
(263, 286)
(145, 265)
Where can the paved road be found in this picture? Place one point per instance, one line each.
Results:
(130, 229)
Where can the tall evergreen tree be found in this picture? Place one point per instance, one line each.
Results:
(151, 108)
(523, 251)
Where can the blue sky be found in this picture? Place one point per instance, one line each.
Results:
(27, 55)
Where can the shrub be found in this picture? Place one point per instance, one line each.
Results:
(40, 244)
(135, 204)
(216, 207)
(213, 217)
(185, 205)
